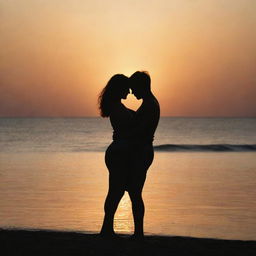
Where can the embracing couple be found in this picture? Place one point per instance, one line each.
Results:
(131, 153)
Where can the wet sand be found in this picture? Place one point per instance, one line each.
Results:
(47, 242)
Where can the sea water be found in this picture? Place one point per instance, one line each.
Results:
(202, 182)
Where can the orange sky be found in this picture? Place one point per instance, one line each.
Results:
(56, 55)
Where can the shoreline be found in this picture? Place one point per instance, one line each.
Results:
(50, 242)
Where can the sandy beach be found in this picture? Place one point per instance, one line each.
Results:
(46, 242)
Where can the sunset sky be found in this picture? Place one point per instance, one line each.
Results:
(56, 55)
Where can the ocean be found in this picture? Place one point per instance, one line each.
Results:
(202, 181)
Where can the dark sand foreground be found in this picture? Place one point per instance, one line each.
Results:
(24, 242)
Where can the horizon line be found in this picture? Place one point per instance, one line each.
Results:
(97, 116)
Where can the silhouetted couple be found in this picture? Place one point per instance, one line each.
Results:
(131, 153)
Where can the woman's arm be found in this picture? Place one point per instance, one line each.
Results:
(122, 118)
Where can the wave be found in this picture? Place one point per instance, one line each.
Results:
(209, 147)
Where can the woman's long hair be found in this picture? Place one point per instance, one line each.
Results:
(111, 93)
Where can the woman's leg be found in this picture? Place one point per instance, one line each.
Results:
(115, 193)
(114, 162)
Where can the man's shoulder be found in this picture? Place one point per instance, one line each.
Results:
(154, 102)
(151, 107)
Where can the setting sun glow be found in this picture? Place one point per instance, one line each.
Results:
(57, 55)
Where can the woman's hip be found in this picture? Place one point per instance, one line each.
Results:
(129, 155)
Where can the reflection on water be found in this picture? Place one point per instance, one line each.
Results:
(198, 194)
(123, 217)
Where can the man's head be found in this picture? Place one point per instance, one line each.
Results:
(140, 84)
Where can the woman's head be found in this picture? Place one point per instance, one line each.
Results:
(116, 89)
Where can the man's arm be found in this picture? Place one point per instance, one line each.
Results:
(144, 120)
